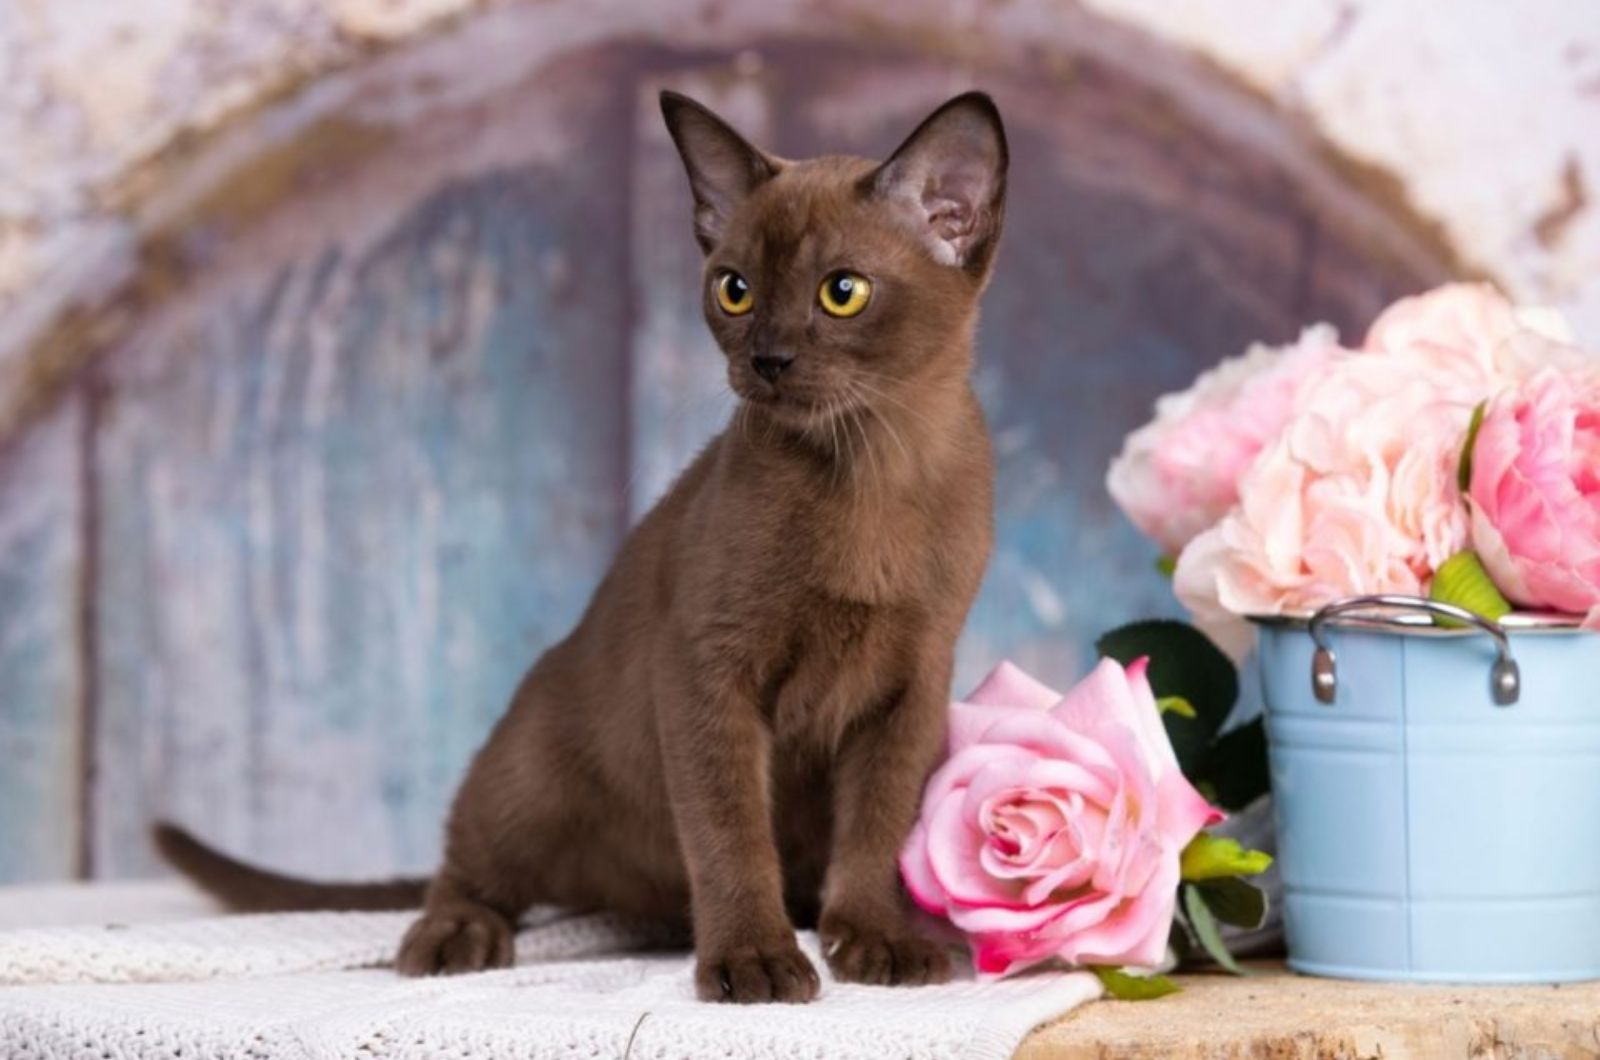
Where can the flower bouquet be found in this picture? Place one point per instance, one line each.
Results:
(1450, 464)
(1455, 454)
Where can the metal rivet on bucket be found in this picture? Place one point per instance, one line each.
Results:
(1505, 678)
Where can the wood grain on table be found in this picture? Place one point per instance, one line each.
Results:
(1283, 1016)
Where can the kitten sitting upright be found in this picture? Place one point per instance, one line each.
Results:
(740, 726)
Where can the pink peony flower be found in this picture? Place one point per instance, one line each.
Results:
(1535, 494)
(1469, 334)
(1358, 494)
(1179, 474)
(1055, 827)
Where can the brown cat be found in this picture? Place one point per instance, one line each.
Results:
(740, 726)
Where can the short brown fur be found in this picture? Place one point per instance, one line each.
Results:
(739, 727)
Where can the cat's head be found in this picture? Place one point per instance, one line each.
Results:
(832, 282)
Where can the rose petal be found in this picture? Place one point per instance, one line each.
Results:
(1184, 811)
(1136, 932)
(1112, 696)
(1008, 685)
(1036, 772)
(954, 843)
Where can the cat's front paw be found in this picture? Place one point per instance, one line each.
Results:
(888, 954)
(744, 974)
(461, 937)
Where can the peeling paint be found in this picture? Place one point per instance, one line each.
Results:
(1571, 200)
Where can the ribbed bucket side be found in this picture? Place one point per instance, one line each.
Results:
(1424, 832)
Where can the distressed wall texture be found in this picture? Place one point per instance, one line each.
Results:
(343, 341)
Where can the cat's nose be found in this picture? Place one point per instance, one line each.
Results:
(771, 365)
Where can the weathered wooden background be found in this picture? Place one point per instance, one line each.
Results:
(386, 394)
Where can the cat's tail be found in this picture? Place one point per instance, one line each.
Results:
(252, 890)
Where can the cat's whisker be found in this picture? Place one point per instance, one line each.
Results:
(741, 419)
(866, 442)
(830, 414)
(955, 441)
(860, 380)
(857, 388)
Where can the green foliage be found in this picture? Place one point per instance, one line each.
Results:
(1175, 705)
(1183, 662)
(1210, 857)
(1233, 901)
(1203, 923)
(1236, 769)
(1463, 581)
(1125, 987)
(1185, 665)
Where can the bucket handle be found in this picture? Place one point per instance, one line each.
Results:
(1505, 677)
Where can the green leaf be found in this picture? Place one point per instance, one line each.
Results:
(1125, 987)
(1464, 465)
(1204, 926)
(1167, 565)
(1236, 768)
(1183, 662)
(1463, 581)
(1181, 941)
(1210, 857)
(1175, 705)
(1233, 901)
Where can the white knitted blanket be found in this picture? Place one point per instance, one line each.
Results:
(313, 985)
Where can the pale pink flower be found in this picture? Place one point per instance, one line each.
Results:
(1470, 334)
(1535, 494)
(1358, 494)
(1179, 474)
(1055, 827)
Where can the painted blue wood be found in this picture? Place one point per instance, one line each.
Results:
(41, 571)
(345, 504)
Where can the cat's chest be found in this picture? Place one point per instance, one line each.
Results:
(838, 660)
(872, 553)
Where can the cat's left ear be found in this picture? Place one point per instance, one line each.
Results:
(948, 181)
(723, 167)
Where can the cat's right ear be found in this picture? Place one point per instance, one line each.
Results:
(723, 167)
(947, 182)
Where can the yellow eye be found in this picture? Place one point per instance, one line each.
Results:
(844, 294)
(734, 295)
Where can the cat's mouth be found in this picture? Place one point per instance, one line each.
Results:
(799, 409)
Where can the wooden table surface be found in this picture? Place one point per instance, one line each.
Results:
(1282, 1016)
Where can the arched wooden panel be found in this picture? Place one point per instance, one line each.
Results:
(42, 690)
(393, 386)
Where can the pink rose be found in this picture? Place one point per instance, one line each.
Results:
(1055, 827)
(1535, 494)
(1179, 474)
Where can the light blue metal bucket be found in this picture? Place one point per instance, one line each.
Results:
(1426, 831)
